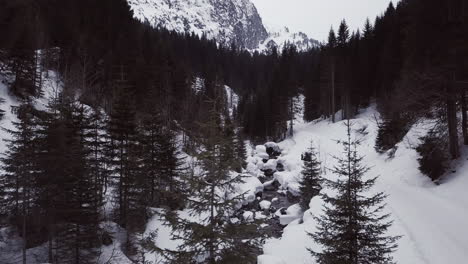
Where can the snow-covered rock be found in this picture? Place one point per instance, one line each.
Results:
(270, 165)
(248, 216)
(250, 188)
(265, 205)
(261, 152)
(293, 213)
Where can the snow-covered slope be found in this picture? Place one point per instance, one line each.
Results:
(227, 21)
(431, 218)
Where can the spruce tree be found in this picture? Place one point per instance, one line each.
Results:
(18, 183)
(343, 34)
(352, 229)
(210, 235)
(241, 151)
(2, 112)
(124, 156)
(67, 188)
(162, 163)
(310, 184)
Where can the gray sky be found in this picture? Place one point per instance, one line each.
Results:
(314, 17)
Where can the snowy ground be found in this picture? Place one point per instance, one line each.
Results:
(432, 219)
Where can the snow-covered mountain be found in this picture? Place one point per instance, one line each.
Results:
(227, 21)
(279, 36)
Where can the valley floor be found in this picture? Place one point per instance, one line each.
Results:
(432, 219)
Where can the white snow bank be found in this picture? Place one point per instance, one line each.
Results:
(265, 259)
(250, 187)
(432, 219)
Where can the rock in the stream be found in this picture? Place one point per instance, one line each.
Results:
(273, 150)
(261, 152)
(272, 185)
(106, 239)
(279, 166)
(265, 205)
(248, 216)
(271, 165)
(293, 213)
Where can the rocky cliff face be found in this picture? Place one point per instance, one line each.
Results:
(227, 21)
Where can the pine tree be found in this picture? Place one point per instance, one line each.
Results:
(343, 34)
(241, 151)
(162, 163)
(95, 134)
(18, 183)
(172, 171)
(210, 235)
(2, 112)
(124, 157)
(67, 187)
(352, 229)
(310, 184)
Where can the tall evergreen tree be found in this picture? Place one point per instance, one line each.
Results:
(77, 205)
(210, 235)
(311, 182)
(2, 112)
(18, 183)
(124, 157)
(352, 229)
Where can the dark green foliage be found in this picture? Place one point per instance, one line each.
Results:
(241, 151)
(124, 159)
(434, 159)
(391, 132)
(2, 112)
(67, 187)
(352, 229)
(21, 171)
(162, 163)
(51, 192)
(311, 182)
(212, 236)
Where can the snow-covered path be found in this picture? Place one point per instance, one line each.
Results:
(433, 219)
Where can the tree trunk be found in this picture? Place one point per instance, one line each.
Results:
(24, 230)
(464, 115)
(452, 121)
(291, 123)
(333, 90)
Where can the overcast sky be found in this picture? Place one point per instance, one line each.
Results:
(314, 17)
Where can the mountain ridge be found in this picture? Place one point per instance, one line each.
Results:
(226, 21)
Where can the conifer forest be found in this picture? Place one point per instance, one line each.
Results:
(188, 132)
